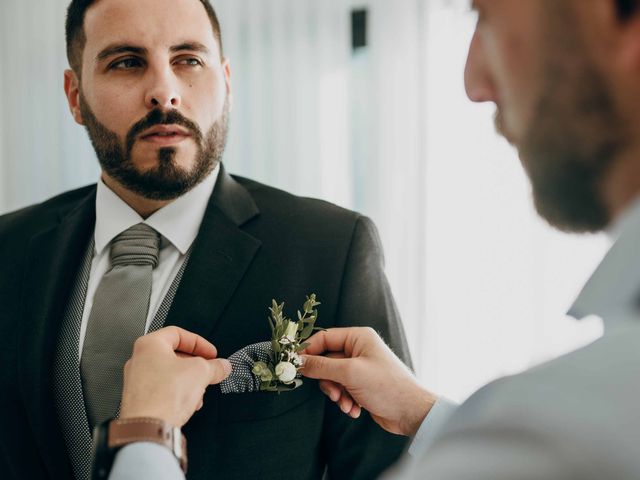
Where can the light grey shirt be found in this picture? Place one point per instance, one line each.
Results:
(145, 460)
(575, 417)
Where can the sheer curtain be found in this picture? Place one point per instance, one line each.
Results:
(385, 129)
(43, 151)
(317, 118)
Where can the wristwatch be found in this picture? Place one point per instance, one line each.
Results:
(114, 434)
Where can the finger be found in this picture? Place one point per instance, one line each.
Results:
(181, 340)
(345, 394)
(336, 355)
(340, 340)
(331, 389)
(356, 411)
(220, 369)
(346, 402)
(323, 368)
(332, 340)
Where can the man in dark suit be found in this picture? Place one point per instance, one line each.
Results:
(194, 247)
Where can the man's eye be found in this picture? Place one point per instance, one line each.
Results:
(126, 64)
(189, 62)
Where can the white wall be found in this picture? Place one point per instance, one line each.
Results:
(42, 151)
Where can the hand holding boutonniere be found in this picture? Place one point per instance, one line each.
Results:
(280, 373)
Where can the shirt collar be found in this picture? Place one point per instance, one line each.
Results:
(613, 289)
(178, 222)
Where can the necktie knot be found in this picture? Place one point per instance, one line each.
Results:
(138, 245)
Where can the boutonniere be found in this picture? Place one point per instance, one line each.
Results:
(280, 373)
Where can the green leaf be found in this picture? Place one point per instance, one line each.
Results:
(306, 332)
(287, 388)
(278, 322)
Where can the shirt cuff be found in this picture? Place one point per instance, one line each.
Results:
(431, 426)
(145, 460)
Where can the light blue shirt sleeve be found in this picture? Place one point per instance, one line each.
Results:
(431, 426)
(145, 460)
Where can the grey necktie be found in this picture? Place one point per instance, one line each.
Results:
(118, 317)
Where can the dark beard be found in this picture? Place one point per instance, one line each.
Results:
(167, 181)
(575, 136)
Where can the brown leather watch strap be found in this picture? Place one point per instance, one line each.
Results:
(125, 431)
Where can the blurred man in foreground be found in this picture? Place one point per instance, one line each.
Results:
(564, 77)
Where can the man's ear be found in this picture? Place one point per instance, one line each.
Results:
(72, 90)
(226, 68)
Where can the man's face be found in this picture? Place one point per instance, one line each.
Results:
(553, 104)
(154, 94)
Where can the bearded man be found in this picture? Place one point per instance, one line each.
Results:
(168, 237)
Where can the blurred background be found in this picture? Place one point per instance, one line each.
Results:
(360, 103)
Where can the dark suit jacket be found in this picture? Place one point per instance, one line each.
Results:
(255, 243)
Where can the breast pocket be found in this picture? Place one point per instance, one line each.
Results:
(245, 407)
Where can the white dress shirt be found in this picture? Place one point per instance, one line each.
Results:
(178, 224)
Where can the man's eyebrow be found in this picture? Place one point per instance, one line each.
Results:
(193, 46)
(118, 49)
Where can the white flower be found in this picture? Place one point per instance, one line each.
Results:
(286, 372)
(295, 359)
(290, 332)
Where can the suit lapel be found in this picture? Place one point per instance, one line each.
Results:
(54, 256)
(220, 256)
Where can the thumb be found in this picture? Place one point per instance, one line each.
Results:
(324, 368)
(220, 369)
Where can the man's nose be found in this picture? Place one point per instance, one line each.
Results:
(477, 78)
(163, 91)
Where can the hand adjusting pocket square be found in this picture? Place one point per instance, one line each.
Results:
(242, 379)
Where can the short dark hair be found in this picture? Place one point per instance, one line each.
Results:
(76, 38)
